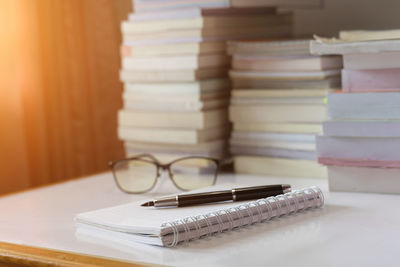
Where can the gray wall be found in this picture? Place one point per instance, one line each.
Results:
(339, 15)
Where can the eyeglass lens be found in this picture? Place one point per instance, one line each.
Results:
(193, 173)
(138, 176)
(135, 176)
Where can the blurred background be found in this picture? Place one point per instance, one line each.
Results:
(59, 83)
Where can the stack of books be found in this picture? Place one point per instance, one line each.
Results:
(361, 141)
(175, 74)
(277, 105)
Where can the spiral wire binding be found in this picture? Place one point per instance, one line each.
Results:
(264, 209)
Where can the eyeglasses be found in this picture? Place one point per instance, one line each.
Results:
(139, 174)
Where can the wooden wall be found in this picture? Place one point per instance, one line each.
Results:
(60, 90)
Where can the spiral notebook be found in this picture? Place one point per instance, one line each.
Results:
(169, 227)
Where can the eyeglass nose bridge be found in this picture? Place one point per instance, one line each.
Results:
(166, 168)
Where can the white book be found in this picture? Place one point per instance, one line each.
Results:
(362, 148)
(219, 34)
(171, 76)
(367, 61)
(175, 105)
(368, 35)
(364, 106)
(301, 75)
(283, 47)
(300, 84)
(286, 137)
(354, 128)
(201, 22)
(260, 62)
(179, 88)
(272, 152)
(145, 6)
(273, 127)
(279, 93)
(273, 144)
(175, 62)
(170, 120)
(363, 179)
(277, 100)
(327, 47)
(195, 48)
(131, 223)
(168, 98)
(280, 3)
(277, 113)
(283, 167)
(172, 136)
(205, 148)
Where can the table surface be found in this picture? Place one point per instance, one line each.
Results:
(352, 229)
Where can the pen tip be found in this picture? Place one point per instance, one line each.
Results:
(148, 204)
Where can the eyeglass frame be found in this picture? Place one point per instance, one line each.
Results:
(159, 165)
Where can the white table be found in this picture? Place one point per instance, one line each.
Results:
(352, 229)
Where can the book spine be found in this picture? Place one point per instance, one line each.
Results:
(261, 210)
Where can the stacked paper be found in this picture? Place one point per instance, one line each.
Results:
(174, 69)
(361, 141)
(277, 106)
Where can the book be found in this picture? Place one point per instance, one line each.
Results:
(279, 127)
(210, 34)
(277, 100)
(143, 6)
(328, 161)
(172, 136)
(259, 62)
(364, 106)
(257, 19)
(362, 128)
(367, 180)
(203, 148)
(360, 148)
(278, 167)
(174, 105)
(279, 93)
(271, 47)
(278, 113)
(367, 61)
(168, 156)
(279, 3)
(198, 12)
(171, 97)
(172, 75)
(273, 152)
(176, 62)
(197, 88)
(182, 120)
(195, 48)
(327, 47)
(358, 36)
(284, 75)
(305, 146)
(249, 83)
(371, 80)
(285, 137)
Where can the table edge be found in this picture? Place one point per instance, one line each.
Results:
(21, 255)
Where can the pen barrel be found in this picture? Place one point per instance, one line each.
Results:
(258, 192)
(203, 198)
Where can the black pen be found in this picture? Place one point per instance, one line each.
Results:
(236, 194)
